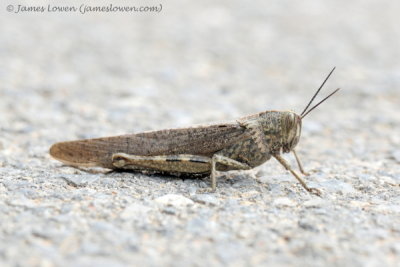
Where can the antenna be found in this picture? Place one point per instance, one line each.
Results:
(320, 102)
(316, 93)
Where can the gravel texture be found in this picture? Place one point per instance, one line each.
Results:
(66, 76)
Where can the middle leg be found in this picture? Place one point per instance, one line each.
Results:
(223, 160)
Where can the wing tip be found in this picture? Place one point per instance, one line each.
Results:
(62, 152)
(56, 151)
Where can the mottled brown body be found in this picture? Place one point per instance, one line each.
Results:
(202, 150)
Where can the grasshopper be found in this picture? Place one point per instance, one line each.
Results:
(197, 151)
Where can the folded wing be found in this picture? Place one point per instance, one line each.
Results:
(201, 140)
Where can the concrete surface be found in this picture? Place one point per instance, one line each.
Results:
(66, 76)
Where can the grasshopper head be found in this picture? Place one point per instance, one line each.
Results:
(291, 126)
(291, 122)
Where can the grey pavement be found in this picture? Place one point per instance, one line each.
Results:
(66, 76)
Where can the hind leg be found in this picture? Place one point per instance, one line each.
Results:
(183, 163)
(165, 163)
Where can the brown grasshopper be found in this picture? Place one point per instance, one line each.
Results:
(197, 151)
